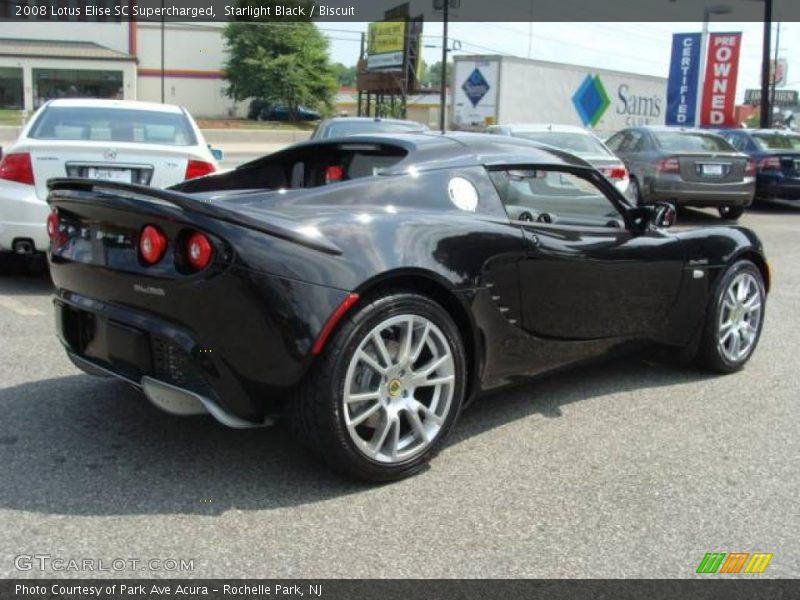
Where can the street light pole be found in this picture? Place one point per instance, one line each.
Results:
(718, 9)
(701, 72)
(765, 116)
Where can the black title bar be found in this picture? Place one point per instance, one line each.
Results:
(375, 10)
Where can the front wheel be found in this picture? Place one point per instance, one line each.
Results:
(735, 318)
(386, 391)
(731, 213)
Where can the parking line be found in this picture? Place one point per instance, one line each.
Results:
(19, 308)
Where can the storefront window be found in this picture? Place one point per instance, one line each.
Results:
(11, 87)
(50, 84)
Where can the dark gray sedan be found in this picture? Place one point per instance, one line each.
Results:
(690, 167)
(346, 126)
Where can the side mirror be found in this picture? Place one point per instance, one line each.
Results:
(664, 214)
(216, 153)
(661, 214)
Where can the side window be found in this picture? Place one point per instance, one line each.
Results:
(634, 142)
(615, 141)
(548, 195)
(734, 140)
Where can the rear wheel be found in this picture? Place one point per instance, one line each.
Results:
(386, 391)
(731, 213)
(735, 318)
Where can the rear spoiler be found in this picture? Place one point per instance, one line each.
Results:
(134, 196)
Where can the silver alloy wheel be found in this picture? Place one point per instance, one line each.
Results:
(739, 317)
(399, 388)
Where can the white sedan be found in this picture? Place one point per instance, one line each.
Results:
(132, 142)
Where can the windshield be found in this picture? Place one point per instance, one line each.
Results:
(577, 143)
(683, 141)
(75, 123)
(360, 127)
(767, 141)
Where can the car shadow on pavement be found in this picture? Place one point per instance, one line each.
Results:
(24, 280)
(84, 446)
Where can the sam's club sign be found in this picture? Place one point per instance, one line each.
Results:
(682, 84)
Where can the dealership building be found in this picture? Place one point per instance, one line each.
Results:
(42, 60)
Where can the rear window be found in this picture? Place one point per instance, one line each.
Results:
(303, 167)
(774, 142)
(691, 142)
(366, 127)
(73, 123)
(576, 143)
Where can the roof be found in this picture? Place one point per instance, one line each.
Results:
(536, 127)
(429, 151)
(367, 120)
(59, 49)
(126, 104)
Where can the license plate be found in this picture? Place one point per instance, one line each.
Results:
(123, 175)
(712, 170)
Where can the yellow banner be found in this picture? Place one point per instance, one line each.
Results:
(386, 36)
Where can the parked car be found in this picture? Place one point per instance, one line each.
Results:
(264, 110)
(578, 141)
(282, 113)
(777, 156)
(366, 288)
(117, 141)
(346, 126)
(690, 167)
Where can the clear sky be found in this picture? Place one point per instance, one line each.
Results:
(635, 47)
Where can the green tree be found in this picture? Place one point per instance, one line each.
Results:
(279, 61)
(432, 75)
(345, 76)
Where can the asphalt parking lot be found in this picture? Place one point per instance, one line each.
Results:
(622, 469)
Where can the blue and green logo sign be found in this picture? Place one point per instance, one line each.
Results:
(591, 100)
(475, 87)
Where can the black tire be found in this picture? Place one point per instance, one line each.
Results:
(731, 213)
(709, 355)
(316, 413)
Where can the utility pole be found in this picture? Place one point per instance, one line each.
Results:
(775, 71)
(765, 116)
(162, 52)
(443, 91)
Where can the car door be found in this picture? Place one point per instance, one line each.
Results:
(585, 275)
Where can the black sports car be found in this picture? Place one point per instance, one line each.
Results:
(367, 287)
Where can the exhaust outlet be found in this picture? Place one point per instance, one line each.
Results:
(24, 247)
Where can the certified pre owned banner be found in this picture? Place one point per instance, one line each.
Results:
(682, 84)
(719, 88)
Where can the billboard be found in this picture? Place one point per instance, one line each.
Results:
(386, 45)
(682, 83)
(719, 87)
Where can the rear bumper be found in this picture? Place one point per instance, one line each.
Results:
(783, 188)
(23, 216)
(675, 189)
(237, 365)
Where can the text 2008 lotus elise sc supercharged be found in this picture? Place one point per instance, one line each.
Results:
(367, 287)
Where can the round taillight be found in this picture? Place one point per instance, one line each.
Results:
(52, 225)
(152, 244)
(199, 251)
